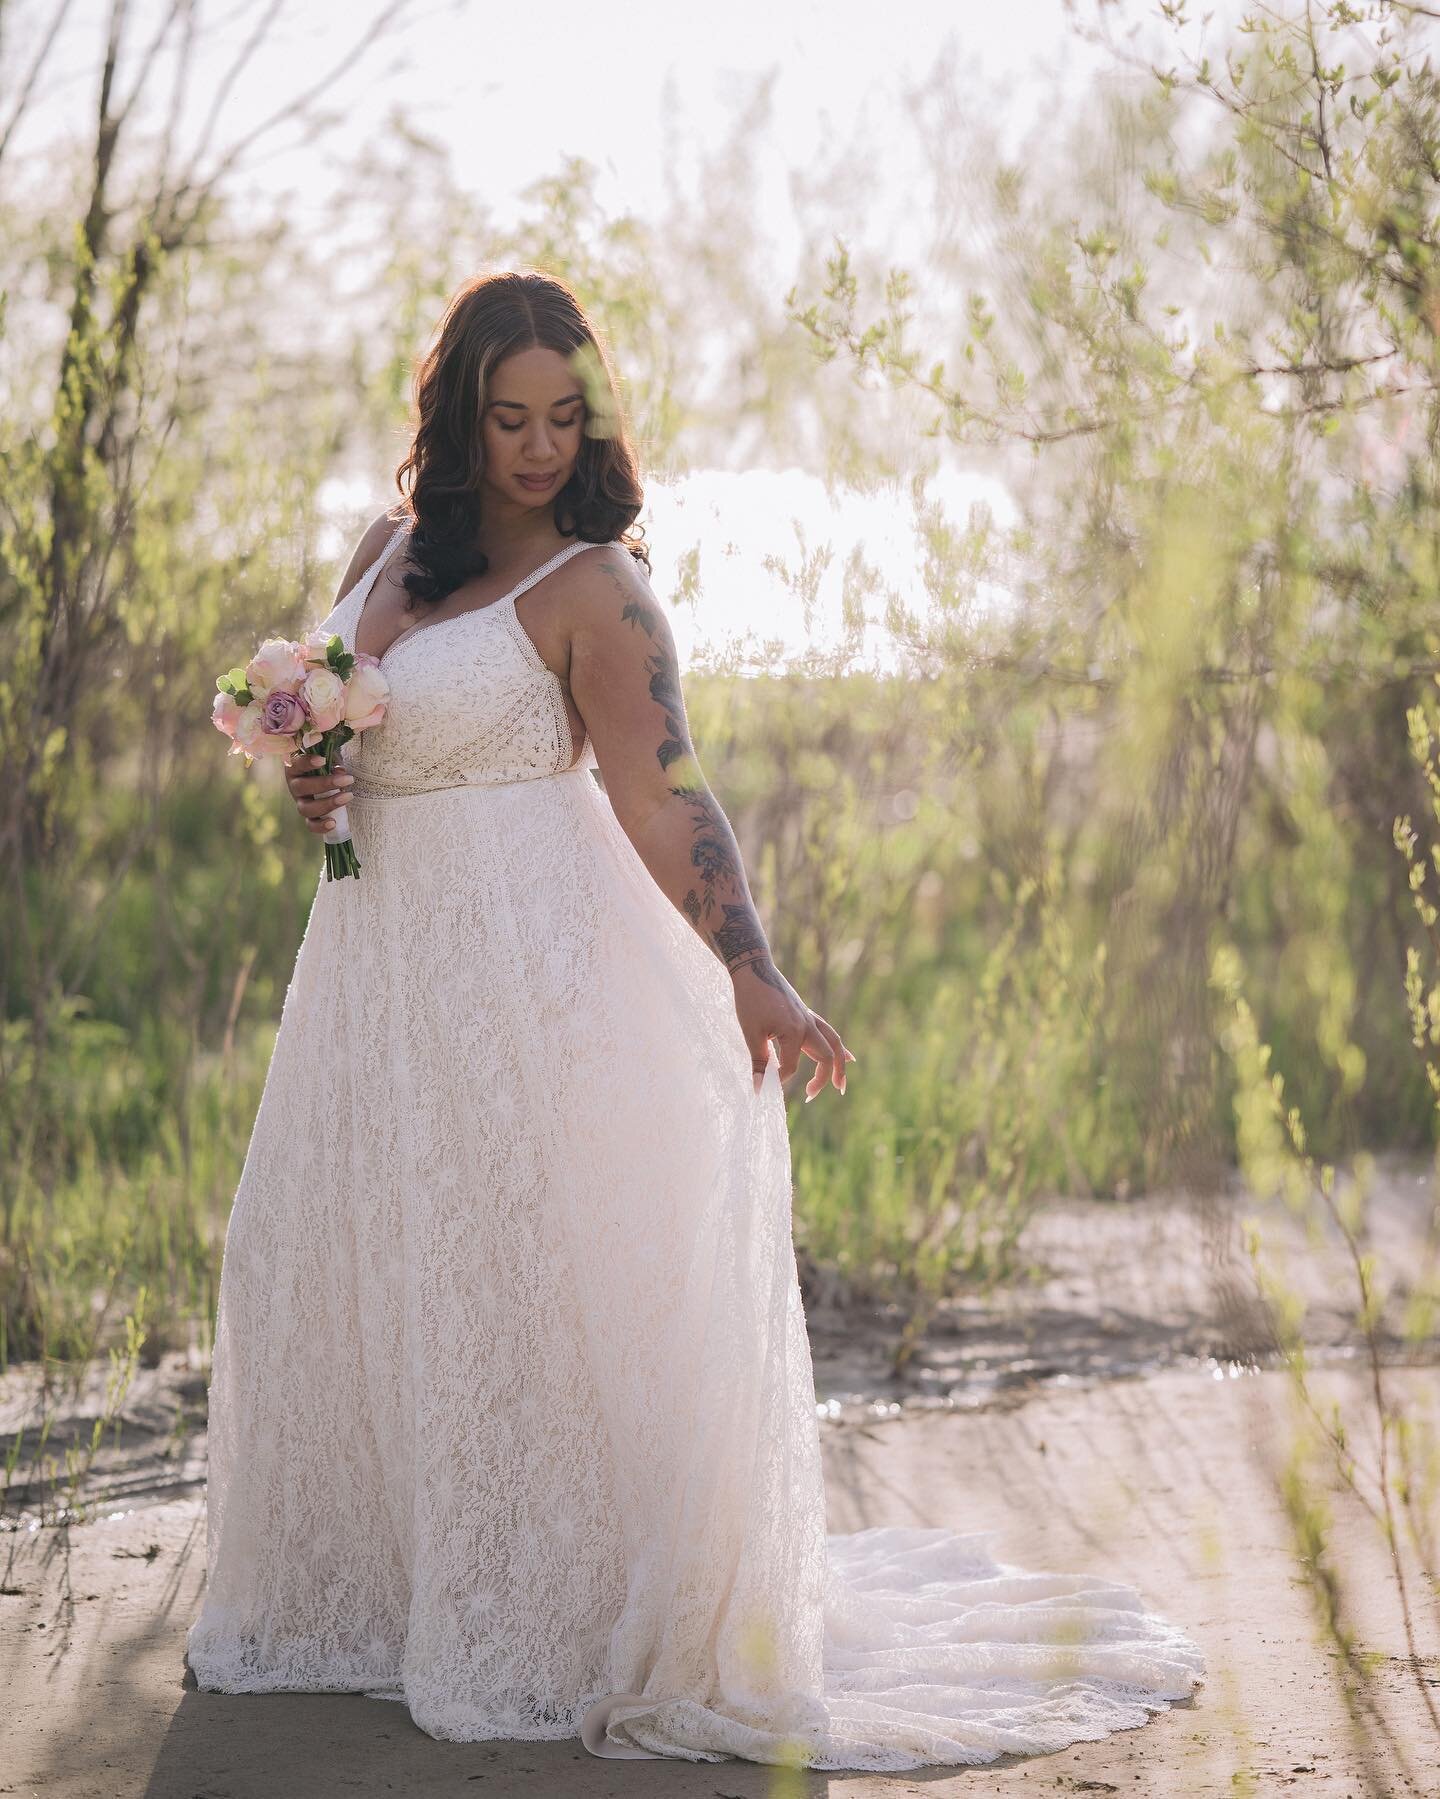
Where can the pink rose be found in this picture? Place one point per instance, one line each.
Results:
(367, 693)
(314, 645)
(277, 663)
(225, 713)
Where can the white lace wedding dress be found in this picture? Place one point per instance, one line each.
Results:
(512, 1415)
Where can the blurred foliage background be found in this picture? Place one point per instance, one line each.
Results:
(1199, 342)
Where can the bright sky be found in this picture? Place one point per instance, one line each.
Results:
(637, 90)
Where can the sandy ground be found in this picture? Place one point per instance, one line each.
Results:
(1109, 1415)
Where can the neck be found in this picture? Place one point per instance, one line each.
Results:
(512, 534)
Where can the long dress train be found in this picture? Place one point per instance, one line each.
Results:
(512, 1415)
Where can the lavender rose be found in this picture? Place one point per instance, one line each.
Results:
(283, 713)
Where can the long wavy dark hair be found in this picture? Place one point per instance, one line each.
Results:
(488, 318)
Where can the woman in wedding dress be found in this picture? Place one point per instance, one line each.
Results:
(512, 1415)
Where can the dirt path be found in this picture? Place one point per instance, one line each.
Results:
(1020, 1418)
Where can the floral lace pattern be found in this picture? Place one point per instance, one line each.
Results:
(512, 1409)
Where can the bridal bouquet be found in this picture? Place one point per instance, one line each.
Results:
(293, 696)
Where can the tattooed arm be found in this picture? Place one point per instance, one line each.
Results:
(625, 680)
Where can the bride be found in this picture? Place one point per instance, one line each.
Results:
(512, 1414)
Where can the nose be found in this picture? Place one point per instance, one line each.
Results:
(539, 445)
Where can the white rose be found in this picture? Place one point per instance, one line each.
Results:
(324, 695)
(250, 728)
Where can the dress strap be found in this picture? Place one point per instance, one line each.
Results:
(545, 568)
(372, 575)
(397, 536)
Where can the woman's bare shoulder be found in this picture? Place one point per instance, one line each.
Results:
(609, 571)
(376, 535)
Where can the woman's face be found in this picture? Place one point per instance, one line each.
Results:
(533, 426)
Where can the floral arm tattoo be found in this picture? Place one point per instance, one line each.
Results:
(718, 905)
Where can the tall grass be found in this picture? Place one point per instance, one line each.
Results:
(1374, 1445)
(968, 965)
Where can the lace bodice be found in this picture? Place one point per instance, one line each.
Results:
(472, 701)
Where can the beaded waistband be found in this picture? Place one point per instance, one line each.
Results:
(378, 787)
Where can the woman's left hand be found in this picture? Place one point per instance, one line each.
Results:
(768, 1007)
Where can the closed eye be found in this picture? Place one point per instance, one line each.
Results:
(560, 424)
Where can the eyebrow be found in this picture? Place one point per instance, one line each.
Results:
(520, 405)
